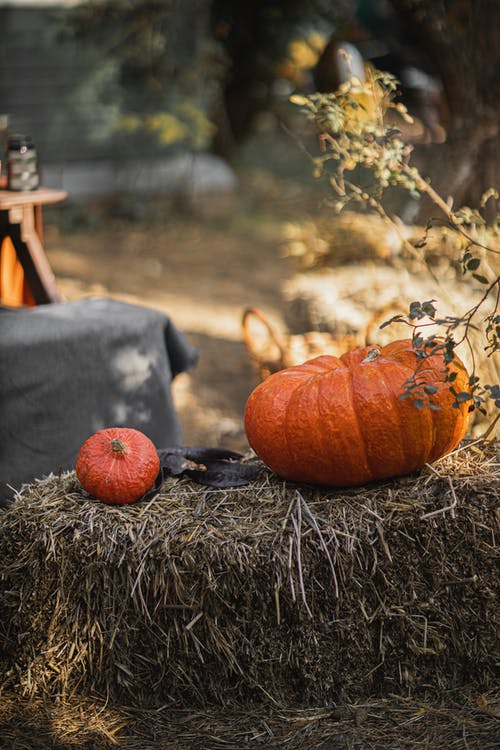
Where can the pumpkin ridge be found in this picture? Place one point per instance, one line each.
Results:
(402, 429)
(325, 437)
(358, 421)
(434, 452)
(286, 421)
(129, 473)
(295, 396)
(351, 410)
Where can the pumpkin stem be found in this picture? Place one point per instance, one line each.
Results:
(118, 446)
(371, 356)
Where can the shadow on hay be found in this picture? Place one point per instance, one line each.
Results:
(274, 591)
(42, 725)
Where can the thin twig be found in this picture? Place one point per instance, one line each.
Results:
(314, 524)
(447, 508)
(297, 523)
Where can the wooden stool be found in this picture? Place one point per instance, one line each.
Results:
(26, 277)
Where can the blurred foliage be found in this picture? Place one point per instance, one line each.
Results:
(354, 135)
(154, 71)
(179, 70)
(186, 123)
(158, 76)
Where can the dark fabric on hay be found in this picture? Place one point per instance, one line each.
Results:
(271, 591)
(212, 467)
(70, 369)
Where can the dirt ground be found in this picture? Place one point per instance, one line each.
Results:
(201, 262)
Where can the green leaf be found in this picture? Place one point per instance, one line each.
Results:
(473, 264)
(416, 310)
(418, 341)
(420, 243)
(481, 279)
(429, 308)
(404, 395)
(394, 319)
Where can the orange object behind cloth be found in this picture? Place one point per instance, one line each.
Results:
(14, 290)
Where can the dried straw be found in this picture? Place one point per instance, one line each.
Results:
(464, 723)
(274, 592)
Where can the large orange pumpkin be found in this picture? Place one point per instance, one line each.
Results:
(117, 465)
(340, 421)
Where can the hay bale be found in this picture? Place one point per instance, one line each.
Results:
(343, 300)
(348, 237)
(272, 591)
(353, 237)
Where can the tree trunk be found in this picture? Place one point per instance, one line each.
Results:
(461, 38)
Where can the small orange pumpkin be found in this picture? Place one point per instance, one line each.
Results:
(340, 421)
(117, 465)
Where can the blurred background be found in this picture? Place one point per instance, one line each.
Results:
(189, 171)
(112, 92)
